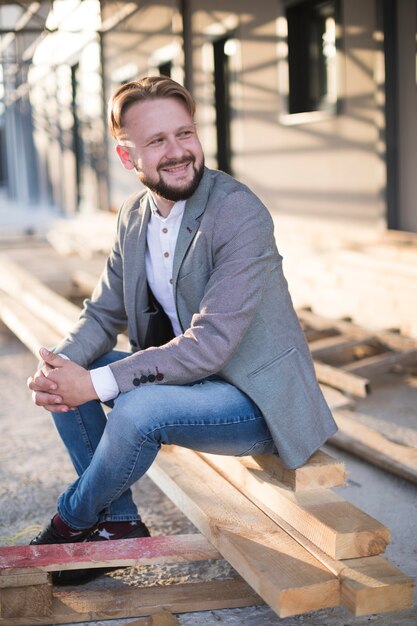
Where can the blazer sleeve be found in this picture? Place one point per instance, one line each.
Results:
(244, 254)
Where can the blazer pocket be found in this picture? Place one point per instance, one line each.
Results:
(263, 368)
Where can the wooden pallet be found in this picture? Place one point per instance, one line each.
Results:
(298, 545)
(347, 356)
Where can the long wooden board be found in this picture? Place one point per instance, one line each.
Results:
(122, 553)
(374, 447)
(321, 470)
(336, 526)
(346, 381)
(32, 331)
(37, 297)
(368, 585)
(120, 601)
(284, 574)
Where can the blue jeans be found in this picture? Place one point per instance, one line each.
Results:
(111, 453)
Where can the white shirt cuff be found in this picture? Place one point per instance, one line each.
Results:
(104, 383)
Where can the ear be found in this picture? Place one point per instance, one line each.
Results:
(125, 158)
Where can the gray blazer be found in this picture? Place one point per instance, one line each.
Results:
(233, 305)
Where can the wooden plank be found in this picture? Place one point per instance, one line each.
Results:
(374, 447)
(381, 363)
(37, 297)
(368, 585)
(377, 586)
(336, 526)
(340, 346)
(22, 577)
(321, 470)
(28, 601)
(285, 575)
(120, 601)
(336, 399)
(31, 331)
(391, 339)
(122, 553)
(346, 381)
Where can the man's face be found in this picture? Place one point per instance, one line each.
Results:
(160, 142)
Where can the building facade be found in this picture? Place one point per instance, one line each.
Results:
(312, 103)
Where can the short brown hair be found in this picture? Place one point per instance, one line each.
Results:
(148, 88)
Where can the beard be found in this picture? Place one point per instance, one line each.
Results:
(169, 192)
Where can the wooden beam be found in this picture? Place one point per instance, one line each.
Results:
(340, 346)
(24, 593)
(346, 381)
(368, 585)
(284, 574)
(33, 601)
(37, 297)
(336, 526)
(381, 363)
(321, 470)
(373, 585)
(373, 446)
(117, 600)
(391, 339)
(32, 331)
(26, 560)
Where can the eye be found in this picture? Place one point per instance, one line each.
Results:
(185, 134)
(155, 142)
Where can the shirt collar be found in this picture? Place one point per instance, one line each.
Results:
(176, 210)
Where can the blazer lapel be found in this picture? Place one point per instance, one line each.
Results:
(190, 223)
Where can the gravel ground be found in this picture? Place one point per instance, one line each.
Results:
(34, 469)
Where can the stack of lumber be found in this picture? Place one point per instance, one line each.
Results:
(297, 544)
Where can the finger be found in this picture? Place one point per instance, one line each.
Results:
(57, 408)
(41, 383)
(50, 358)
(42, 399)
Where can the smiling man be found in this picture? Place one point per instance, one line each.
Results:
(218, 360)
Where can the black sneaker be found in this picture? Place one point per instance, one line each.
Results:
(50, 535)
(81, 576)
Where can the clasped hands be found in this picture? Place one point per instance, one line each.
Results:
(60, 385)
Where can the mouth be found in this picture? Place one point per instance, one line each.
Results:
(176, 169)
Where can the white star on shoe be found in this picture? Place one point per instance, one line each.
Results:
(105, 534)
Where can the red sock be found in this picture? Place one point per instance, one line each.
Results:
(63, 529)
(115, 530)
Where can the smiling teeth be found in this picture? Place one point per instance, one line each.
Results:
(176, 168)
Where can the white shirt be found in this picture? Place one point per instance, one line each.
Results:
(161, 239)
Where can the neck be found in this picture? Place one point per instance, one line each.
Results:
(163, 205)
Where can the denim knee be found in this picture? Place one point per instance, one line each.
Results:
(136, 413)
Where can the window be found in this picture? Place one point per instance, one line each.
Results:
(311, 56)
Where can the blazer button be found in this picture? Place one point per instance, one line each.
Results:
(151, 378)
(159, 376)
(136, 382)
(143, 379)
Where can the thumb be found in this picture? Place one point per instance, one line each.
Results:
(49, 357)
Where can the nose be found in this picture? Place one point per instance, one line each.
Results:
(174, 149)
